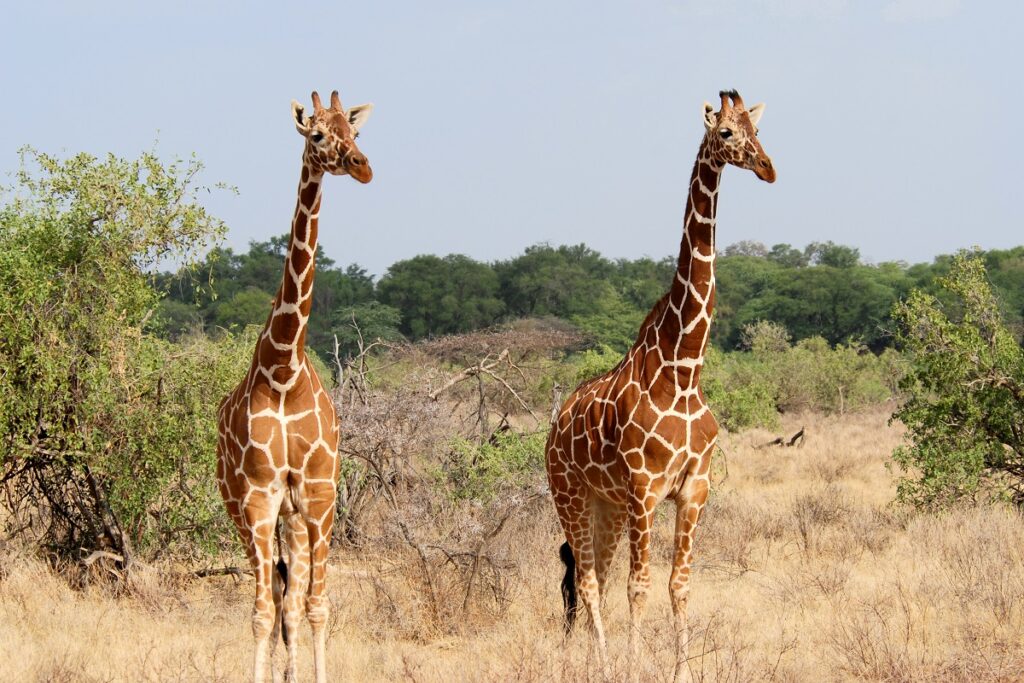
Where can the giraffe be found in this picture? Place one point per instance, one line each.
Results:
(642, 432)
(277, 451)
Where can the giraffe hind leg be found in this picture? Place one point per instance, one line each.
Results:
(609, 523)
(641, 516)
(319, 521)
(689, 505)
(297, 585)
(576, 517)
(260, 519)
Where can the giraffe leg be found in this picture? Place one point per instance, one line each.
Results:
(297, 539)
(576, 518)
(689, 505)
(319, 523)
(640, 519)
(260, 519)
(609, 521)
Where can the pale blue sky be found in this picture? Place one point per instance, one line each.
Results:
(498, 125)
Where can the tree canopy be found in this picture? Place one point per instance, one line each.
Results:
(823, 290)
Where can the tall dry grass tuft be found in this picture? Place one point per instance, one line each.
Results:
(804, 572)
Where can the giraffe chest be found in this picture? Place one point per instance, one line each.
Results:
(279, 436)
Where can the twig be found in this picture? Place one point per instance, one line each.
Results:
(236, 572)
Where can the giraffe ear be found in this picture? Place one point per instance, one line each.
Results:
(299, 117)
(710, 120)
(357, 115)
(755, 113)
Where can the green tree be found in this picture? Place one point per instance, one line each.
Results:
(99, 419)
(231, 289)
(442, 295)
(559, 281)
(838, 304)
(371, 321)
(741, 279)
(832, 254)
(249, 306)
(745, 248)
(614, 322)
(643, 281)
(176, 319)
(787, 256)
(965, 407)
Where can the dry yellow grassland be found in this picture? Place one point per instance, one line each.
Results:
(804, 573)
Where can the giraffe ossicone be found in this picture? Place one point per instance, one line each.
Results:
(277, 450)
(642, 432)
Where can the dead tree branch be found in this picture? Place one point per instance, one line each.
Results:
(795, 440)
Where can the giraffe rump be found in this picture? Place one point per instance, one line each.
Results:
(568, 585)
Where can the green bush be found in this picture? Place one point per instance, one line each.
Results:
(750, 388)
(592, 363)
(108, 432)
(481, 472)
(153, 438)
(740, 389)
(965, 394)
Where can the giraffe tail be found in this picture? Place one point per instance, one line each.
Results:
(568, 585)
(282, 573)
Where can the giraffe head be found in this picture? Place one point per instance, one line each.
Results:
(731, 136)
(331, 137)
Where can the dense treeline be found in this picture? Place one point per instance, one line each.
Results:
(822, 290)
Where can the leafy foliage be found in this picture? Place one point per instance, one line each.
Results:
(442, 295)
(965, 407)
(97, 416)
(482, 471)
(751, 388)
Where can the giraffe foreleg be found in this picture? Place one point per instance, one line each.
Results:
(689, 505)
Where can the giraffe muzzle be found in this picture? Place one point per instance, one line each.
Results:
(764, 170)
(358, 167)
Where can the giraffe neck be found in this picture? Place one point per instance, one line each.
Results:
(677, 329)
(282, 348)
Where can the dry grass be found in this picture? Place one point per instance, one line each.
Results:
(803, 573)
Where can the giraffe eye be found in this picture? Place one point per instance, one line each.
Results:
(725, 133)
(317, 136)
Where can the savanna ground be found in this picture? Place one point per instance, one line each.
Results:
(804, 572)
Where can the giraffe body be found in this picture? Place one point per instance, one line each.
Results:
(277, 451)
(627, 440)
